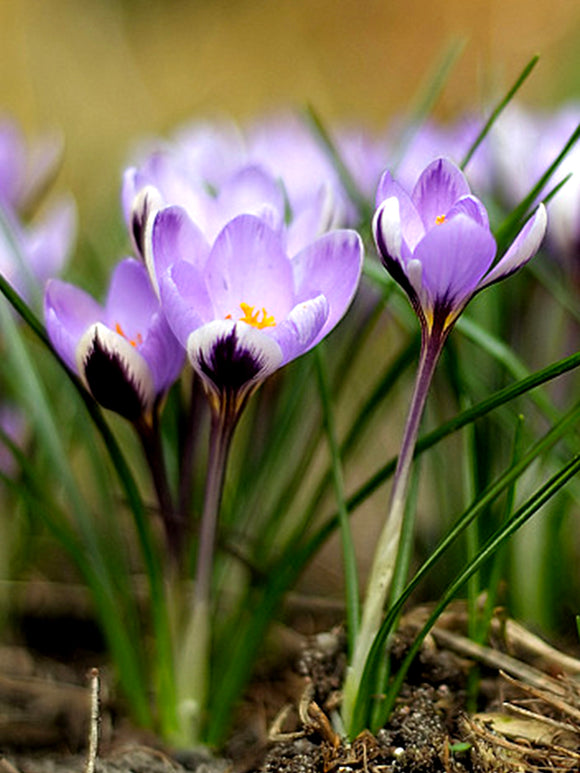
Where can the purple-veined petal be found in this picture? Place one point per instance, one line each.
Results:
(438, 188)
(131, 301)
(330, 266)
(175, 237)
(247, 264)
(163, 352)
(185, 300)
(115, 372)
(302, 328)
(524, 247)
(232, 357)
(133, 311)
(319, 215)
(251, 191)
(68, 312)
(411, 226)
(472, 207)
(454, 257)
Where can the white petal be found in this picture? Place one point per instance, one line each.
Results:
(524, 247)
(388, 219)
(134, 367)
(232, 356)
(145, 206)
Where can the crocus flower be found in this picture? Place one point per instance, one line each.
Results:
(275, 169)
(437, 244)
(25, 170)
(243, 308)
(31, 251)
(124, 351)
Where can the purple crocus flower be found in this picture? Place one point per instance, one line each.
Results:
(243, 308)
(31, 251)
(124, 351)
(276, 170)
(25, 170)
(437, 244)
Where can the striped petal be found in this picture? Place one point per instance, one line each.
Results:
(525, 246)
(115, 373)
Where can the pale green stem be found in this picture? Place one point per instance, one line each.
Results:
(194, 663)
(385, 556)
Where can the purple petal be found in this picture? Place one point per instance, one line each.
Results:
(185, 300)
(248, 265)
(133, 311)
(176, 238)
(50, 242)
(472, 207)
(131, 301)
(438, 189)
(454, 257)
(251, 192)
(317, 216)
(163, 352)
(388, 238)
(524, 247)
(12, 163)
(68, 312)
(411, 225)
(331, 266)
(302, 328)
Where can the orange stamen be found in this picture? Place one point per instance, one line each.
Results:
(137, 341)
(252, 317)
(440, 219)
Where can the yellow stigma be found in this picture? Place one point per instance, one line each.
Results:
(252, 317)
(137, 341)
(440, 219)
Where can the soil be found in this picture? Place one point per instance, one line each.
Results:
(527, 716)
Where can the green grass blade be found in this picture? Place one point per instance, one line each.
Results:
(499, 538)
(500, 107)
(559, 430)
(349, 557)
(513, 222)
(496, 400)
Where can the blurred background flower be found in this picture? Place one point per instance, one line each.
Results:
(107, 71)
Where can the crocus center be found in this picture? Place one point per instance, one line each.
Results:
(253, 318)
(137, 341)
(440, 219)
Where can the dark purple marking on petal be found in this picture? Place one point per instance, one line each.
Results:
(229, 365)
(392, 265)
(110, 382)
(145, 205)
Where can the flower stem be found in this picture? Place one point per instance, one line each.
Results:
(196, 646)
(189, 446)
(385, 556)
(150, 437)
